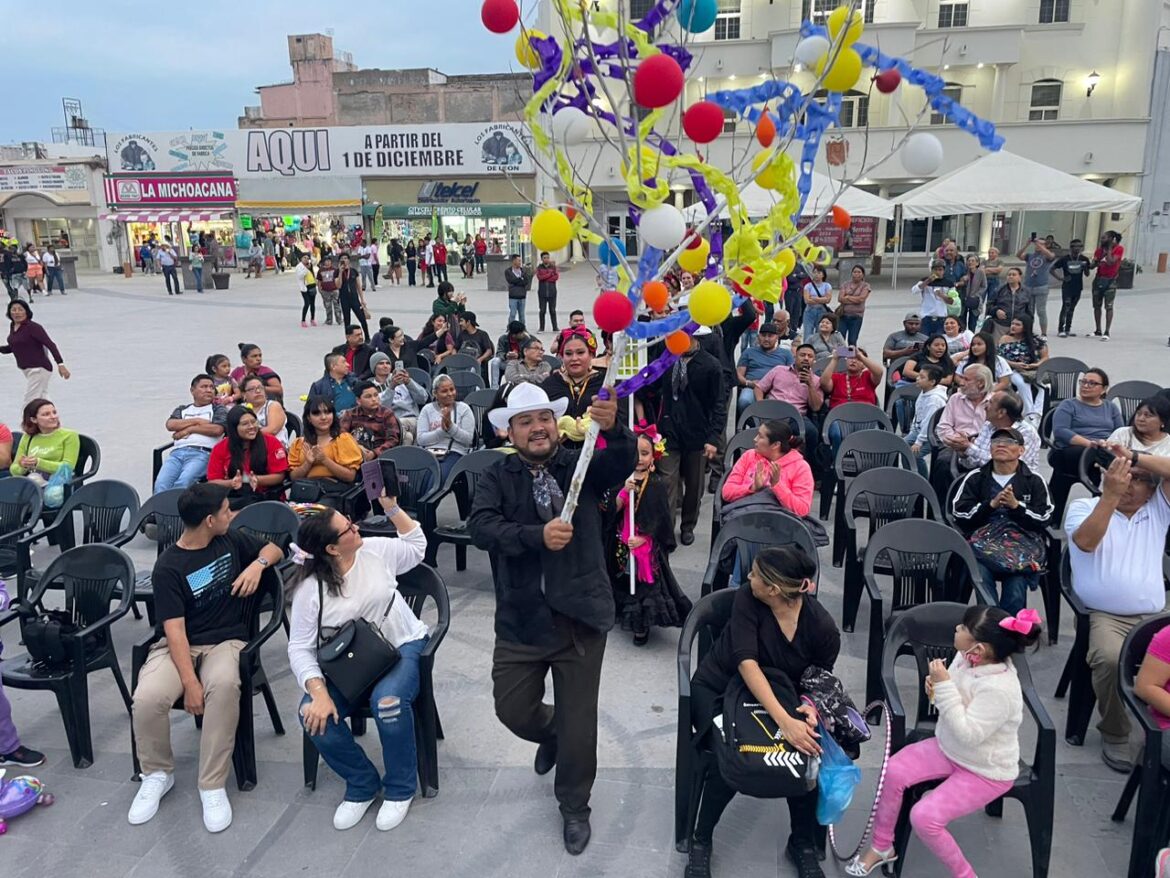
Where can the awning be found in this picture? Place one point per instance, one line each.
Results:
(166, 216)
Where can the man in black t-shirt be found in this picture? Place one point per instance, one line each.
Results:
(474, 342)
(201, 585)
(1070, 270)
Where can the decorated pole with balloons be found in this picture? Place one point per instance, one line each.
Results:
(601, 61)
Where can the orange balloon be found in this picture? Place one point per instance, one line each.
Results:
(570, 213)
(678, 343)
(656, 294)
(765, 129)
(841, 217)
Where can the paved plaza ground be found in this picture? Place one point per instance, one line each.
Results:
(132, 350)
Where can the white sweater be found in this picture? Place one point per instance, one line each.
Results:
(365, 593)
(980, 710)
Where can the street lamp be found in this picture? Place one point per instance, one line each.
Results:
(1091, 80)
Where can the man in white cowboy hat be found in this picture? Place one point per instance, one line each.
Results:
(554, 601)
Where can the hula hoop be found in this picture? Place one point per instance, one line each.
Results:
(877, 795)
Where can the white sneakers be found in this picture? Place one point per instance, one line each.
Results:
(350, 814)
(217, 810)
(145, 805)
(392, 813)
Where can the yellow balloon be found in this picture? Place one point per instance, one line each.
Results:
(525, 54)
(766, 178)
(785, 262)
(551, 230)
(837, 20)
(693, 259)
(844, 72)
(710, 303)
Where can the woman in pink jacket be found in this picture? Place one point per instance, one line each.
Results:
(775, 464)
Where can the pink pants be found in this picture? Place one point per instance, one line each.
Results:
(961, 792)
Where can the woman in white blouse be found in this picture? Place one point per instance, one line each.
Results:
(349, 577)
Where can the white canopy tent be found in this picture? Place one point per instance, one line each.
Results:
(759, 201)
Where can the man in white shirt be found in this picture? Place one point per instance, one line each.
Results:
(1116, 543)
(365, 256)
(195, 429)
(933, 292)
(168, 260)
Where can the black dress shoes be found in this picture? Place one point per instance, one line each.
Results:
(577, 833)
(546, 757)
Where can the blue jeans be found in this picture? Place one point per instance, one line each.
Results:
(198, 272)
(812, 316)
(746, 397)
(748, 339)
(850, 326)
(933, 325)
(1014, 596)
(920, 458)
(391, 703)
(182, 468)
(55, 275)
(516, 309)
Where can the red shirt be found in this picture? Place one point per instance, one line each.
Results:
(217, 464)
(1104, 269)
(852, 388)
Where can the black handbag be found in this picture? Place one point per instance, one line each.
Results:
(356, 656)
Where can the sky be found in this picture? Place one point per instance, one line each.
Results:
(197, 66)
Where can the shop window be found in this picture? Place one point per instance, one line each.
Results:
(1054, 11)
(1045, 104)
(818, 10)
(854, 108)
(952, 90)
(727, 20)
(952, 14)
(623, 230)
(730, 120)
(639, 9)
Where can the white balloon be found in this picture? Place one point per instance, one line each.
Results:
(810, 49)
(662, 227)
(922, 154)
(571, 125)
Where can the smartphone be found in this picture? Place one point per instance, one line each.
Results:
(917, 345)
(1033, 238)
(398, 366)
(844, 352)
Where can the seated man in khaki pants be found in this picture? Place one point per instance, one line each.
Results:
(1116, 542)
(199, 588)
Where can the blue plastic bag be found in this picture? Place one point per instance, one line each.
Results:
(836, 782)
(54, 493)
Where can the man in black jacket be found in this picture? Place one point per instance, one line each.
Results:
(694, 412)
(554, 600)
(356, 352)
(721, 344)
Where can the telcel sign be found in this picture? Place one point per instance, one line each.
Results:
(448, 193)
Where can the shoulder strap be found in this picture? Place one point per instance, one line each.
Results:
(320, 608)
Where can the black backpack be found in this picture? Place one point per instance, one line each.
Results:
(50, 637)
(752, 756)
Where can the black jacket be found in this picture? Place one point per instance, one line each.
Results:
(971, 506)
(697, 417)
(361, 359)
(518, 282)
(532, 582)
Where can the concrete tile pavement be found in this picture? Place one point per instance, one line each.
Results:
(133, 350)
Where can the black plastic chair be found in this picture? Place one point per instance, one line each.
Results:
(293, 426)
(418, 476)
(880, 495)
(744, 440)
(416, 585)
(858, 453)
(20, 510)
(103, 507)
(466, 383)
(456, 363)
(927, 562)
(89, 461)
(1129, 396)
(771, 410)
(91, 576)
(253, 680)
(1088, 474)
(892, 377)
(422, 378)
(850, 417)
(693, 759)
(1058, 377)
(751, 531)
(426, 362)
(554, 362)
(274, 522)
(1045, 428)
(480, 402)
(1076, 680)
(462, 482)
(161, 510)
(1150, 778)
(902, 420)
(927, 632)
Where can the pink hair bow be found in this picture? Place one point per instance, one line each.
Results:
(1022, 622)
(650, 431)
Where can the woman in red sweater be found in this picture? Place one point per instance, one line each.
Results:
(31, 346)
(776, 465)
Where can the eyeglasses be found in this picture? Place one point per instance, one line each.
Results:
(351, 528)
(1085, 382)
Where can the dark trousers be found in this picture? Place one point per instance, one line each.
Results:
(715, 467)
(684, 471)
(548, 300)
(411, 268)
(309, 297)
(170, 274)
(353, 307)
(573, 653)
(1068, 304)
(1066, 472)
(440, 271)
(717, 795)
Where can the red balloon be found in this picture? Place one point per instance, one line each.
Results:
(612, 311)
(499, 16)
(703, 121)
(765, 130)
(694, 240)
(841, 217)
(657, 81)
(888, 80)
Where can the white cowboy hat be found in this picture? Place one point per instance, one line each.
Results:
(526, 398)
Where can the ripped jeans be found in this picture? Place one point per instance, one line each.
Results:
(391, 704)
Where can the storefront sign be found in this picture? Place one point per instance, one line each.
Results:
(42, 178)
(446, 193)
(460, 149)
(414, 211)
(857, 239)
(170, 190)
